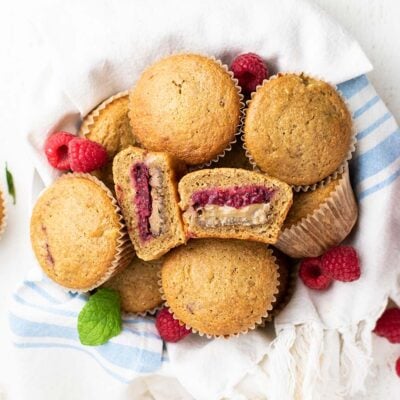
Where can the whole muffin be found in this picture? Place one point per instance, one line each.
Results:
(138, 287)
(108, 124)
(77, 234)
(298, 129)
(220, 287)
(319, 219)
(187, 105)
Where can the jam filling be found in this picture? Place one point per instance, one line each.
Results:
(236, 196)
(141, 179)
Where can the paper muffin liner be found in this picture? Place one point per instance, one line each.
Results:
(90, 119)
(327, 226)
(241, 118)
(124, 251)
(258, 323)
(3, 214)
(353, 140)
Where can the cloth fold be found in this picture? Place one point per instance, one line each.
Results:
(96, 49)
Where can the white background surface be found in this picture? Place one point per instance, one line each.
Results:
(374, 23)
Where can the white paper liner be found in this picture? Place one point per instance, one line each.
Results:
(241, 118)
(124, 251)
(353, 141)
(327, 226)
(258, 323)
(3, 214)
(91, 118)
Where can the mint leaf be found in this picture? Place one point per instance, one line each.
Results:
(10, 185)
(100, 318)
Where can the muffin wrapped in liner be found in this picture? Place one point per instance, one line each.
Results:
(326, 226)
(3, 214)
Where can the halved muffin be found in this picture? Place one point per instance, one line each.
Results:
(233, 203)
(146, 189)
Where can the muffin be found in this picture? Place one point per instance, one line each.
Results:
(187, 105)
(319, 219)
(77, 233)
(146, 189)
(298, 129)
(220, 287)
(108, 124)
(2, 214)
(138, 287)
(233, 203)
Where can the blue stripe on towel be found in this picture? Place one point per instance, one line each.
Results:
(374, 126)
(380, 185)
(378, 158)
(365, 107)
(41, 292)
(353, 86)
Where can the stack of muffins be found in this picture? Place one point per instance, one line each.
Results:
(184, 212)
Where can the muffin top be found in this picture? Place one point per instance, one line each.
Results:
(220, 287)
(305, 203)
(187, 105)
(109, 125)
(75, 231)
(298, 129)
(138, 286)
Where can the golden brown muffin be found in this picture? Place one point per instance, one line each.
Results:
(77, 234)
(138, 286)
(220, 287)
(108, 124)
(2, 214)
(187, 105)
(146, 189)
(319, 219)
(298, 129)
(233, 203)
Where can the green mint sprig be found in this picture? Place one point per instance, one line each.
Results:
(10, 185)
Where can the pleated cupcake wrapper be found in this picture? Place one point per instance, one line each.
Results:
(327, 226)
(3, 214)
(124, 253)
(353, 141)
(241, 119)
(90, 119)
(259, 322)
(283, 302)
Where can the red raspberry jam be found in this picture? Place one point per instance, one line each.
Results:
(140, 178)
(236, 196)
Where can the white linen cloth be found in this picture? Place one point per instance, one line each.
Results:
(322, 350)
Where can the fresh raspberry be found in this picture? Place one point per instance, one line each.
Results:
(341, 264)
(398, 367)
(388, 325)
(250, 70)
(56, 150)
(85, 155)
(169, 328)
(311, 274)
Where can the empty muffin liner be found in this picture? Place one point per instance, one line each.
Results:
(124, 251)
(259, 322)
(3, 214)
(327, 226)
(241, 118)
(353, 140)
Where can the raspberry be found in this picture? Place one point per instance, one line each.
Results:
(250, 70)
(169, 328)
(85, 155)
(311, 274)
(388, 325)
(341, 263)
(56, 150)
(398, 367)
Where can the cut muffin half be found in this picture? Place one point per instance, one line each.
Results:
(234, 203)
(146, 189)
